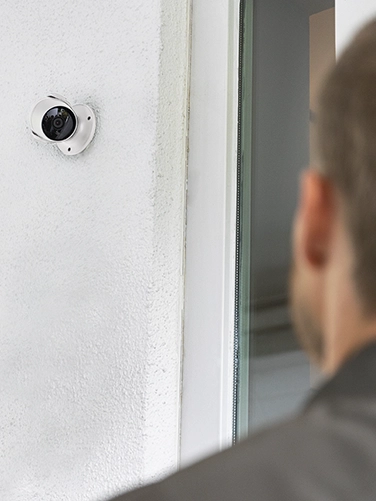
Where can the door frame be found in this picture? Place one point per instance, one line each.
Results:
(208, 356)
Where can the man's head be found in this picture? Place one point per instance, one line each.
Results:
(334, 271)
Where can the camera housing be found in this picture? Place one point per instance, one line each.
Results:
(71, 128)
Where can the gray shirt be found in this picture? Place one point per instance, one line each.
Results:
(326, 453)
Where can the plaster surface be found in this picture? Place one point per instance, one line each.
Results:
(91, 249)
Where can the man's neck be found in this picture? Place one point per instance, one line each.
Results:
(350, 335)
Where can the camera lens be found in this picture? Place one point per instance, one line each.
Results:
(59, 123)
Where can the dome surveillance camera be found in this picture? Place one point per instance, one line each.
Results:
(72, 128)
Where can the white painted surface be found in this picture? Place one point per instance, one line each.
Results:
(91, 249)
(350, 17)
(210, 280)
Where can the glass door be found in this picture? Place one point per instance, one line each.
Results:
(285, 48)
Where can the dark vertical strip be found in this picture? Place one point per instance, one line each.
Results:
(238, 225)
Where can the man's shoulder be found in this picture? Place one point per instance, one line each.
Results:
(326, 451)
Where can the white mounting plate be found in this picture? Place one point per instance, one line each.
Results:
(86, 125)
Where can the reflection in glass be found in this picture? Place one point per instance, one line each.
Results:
(285, 48)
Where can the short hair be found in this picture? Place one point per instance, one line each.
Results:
(346, 141)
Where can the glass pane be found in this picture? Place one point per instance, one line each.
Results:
(285, 48)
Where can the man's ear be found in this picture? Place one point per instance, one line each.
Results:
(315, 218)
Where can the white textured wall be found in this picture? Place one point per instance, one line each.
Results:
(91, 248)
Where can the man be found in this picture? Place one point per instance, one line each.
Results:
(328, 452)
